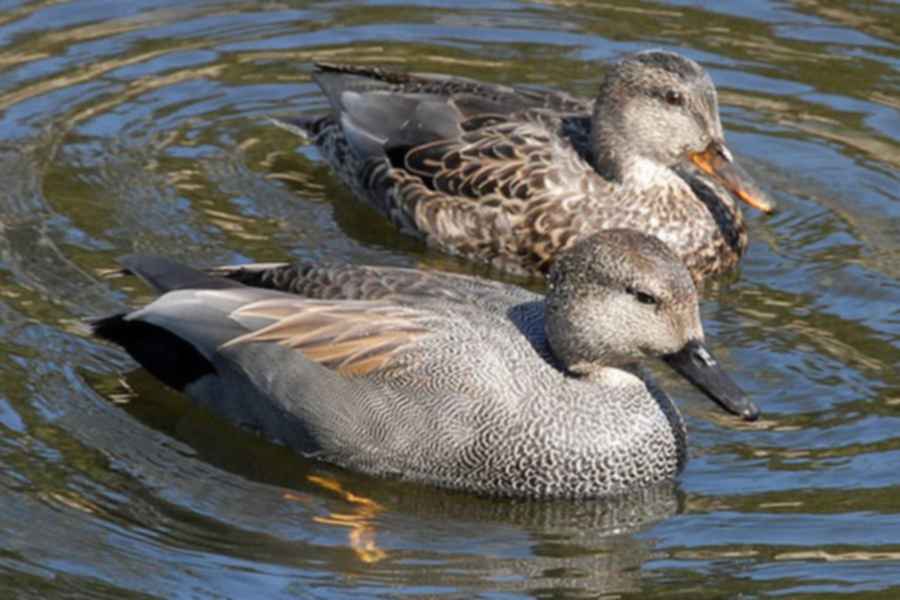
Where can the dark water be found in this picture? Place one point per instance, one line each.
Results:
(142, 127)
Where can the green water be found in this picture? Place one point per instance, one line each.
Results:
(143, 127)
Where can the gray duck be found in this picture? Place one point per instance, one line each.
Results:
(439, 378)
(510, 176)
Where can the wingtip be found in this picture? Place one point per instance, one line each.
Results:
(164, 274)
(299, 126)
(324, 65)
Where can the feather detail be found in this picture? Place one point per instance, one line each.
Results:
(351, 337)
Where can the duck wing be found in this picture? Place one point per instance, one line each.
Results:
(486, 176)
(352, 381)
(381, 112)
(509, 190)
(353, 282)
(359, 78)
(212, 313)
(338, 79)
(349, 337)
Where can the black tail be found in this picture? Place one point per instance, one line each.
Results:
(165, 355)
(168, 357)
(165, 275)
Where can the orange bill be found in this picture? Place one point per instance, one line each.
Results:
(716, 162)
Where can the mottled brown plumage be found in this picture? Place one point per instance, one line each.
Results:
(510, 176)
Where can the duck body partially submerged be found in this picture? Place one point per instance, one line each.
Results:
(443, 379)
(510, 176)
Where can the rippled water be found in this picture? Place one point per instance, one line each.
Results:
(142, 127)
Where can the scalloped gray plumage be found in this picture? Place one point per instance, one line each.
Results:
(439, 378)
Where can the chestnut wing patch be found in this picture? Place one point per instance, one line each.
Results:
(351, 337)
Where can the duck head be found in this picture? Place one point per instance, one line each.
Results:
(619, 296)
(660, 109)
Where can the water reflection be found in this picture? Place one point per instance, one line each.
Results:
(143, 127)
(296, 509)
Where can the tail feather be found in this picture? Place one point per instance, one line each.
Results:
(165, 275)
(166, 356)
(170, 358)
(365, 72)
(304, 127)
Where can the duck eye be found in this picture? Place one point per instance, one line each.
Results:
(674, 98)
(642, 297)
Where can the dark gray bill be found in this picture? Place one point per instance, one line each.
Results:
(696, 364)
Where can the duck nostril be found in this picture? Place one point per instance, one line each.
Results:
(703, 356)
(725, 153)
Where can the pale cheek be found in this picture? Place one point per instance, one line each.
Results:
(695, 330)
(685, 327)
(667, 338)
(669, 335)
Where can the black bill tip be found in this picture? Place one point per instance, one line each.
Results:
(696, 363)
(751, 413)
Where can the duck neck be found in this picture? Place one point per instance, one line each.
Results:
(720, 202)
(566, 329)
(723, 208)
(610, 149)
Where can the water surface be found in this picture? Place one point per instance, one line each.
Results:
(143, 127)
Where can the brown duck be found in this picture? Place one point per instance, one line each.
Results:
(510, 176)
